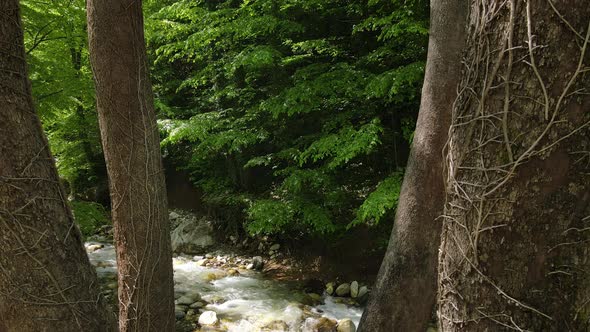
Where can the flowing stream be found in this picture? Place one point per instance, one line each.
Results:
(244, 302)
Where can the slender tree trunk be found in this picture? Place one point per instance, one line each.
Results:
(132, 151)
(514, 251)
(46, 280)
(405, 291)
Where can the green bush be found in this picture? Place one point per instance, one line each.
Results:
(89, 216)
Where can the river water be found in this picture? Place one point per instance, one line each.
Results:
(245, 302)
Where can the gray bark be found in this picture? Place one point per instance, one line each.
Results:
(46, 280)
(405, 291)
(514, 250)
(131, 145)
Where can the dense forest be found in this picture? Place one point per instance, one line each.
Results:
(297, 165)
(291, 118)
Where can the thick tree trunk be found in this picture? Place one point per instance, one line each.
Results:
(132, 151)
(514, 250)
(46, 280)
(404, 295)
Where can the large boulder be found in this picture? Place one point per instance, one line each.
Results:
(192, 235)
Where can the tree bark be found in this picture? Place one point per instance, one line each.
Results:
(46, 280)
(405, 291)
(514, 250)
(131, 145)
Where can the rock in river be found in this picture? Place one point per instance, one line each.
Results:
(208, 318)
(257, 263)
(354, 289)
(346, 325)
(363, 294)
(192, 235)
(321, 324)
(330, 288)
(343, 290)
(94, 247)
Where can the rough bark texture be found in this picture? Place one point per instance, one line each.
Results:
(514, 250)
(132, 151)
(405, 291)
(46, 280)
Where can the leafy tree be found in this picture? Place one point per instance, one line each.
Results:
(305, 106)
(57, 55)
(297, 112)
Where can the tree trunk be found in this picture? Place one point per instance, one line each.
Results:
(514, 250)
(132, 151)
(405, 291)
(46, 280)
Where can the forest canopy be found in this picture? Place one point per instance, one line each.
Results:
(291, 117)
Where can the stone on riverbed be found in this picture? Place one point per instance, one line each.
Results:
(197, 305)
(343, 289)
(257, 263)
(354, 289)
(180, 311)
(188, 299)
(94, 247)
(208, 318)
(363, 294)
(179, 314)
(210, 277)
(276, 326)
(321, 324)
(346, 325)
(330, 288)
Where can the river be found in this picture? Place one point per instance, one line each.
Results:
(243, 302)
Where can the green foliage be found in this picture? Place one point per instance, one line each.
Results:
(57, 55)
(293, 117)
(292, 111)
(269, 216)
(89, 216)
(345, 145)
(380, 201)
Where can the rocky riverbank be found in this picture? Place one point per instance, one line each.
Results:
(227, 292)
(240, 285)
